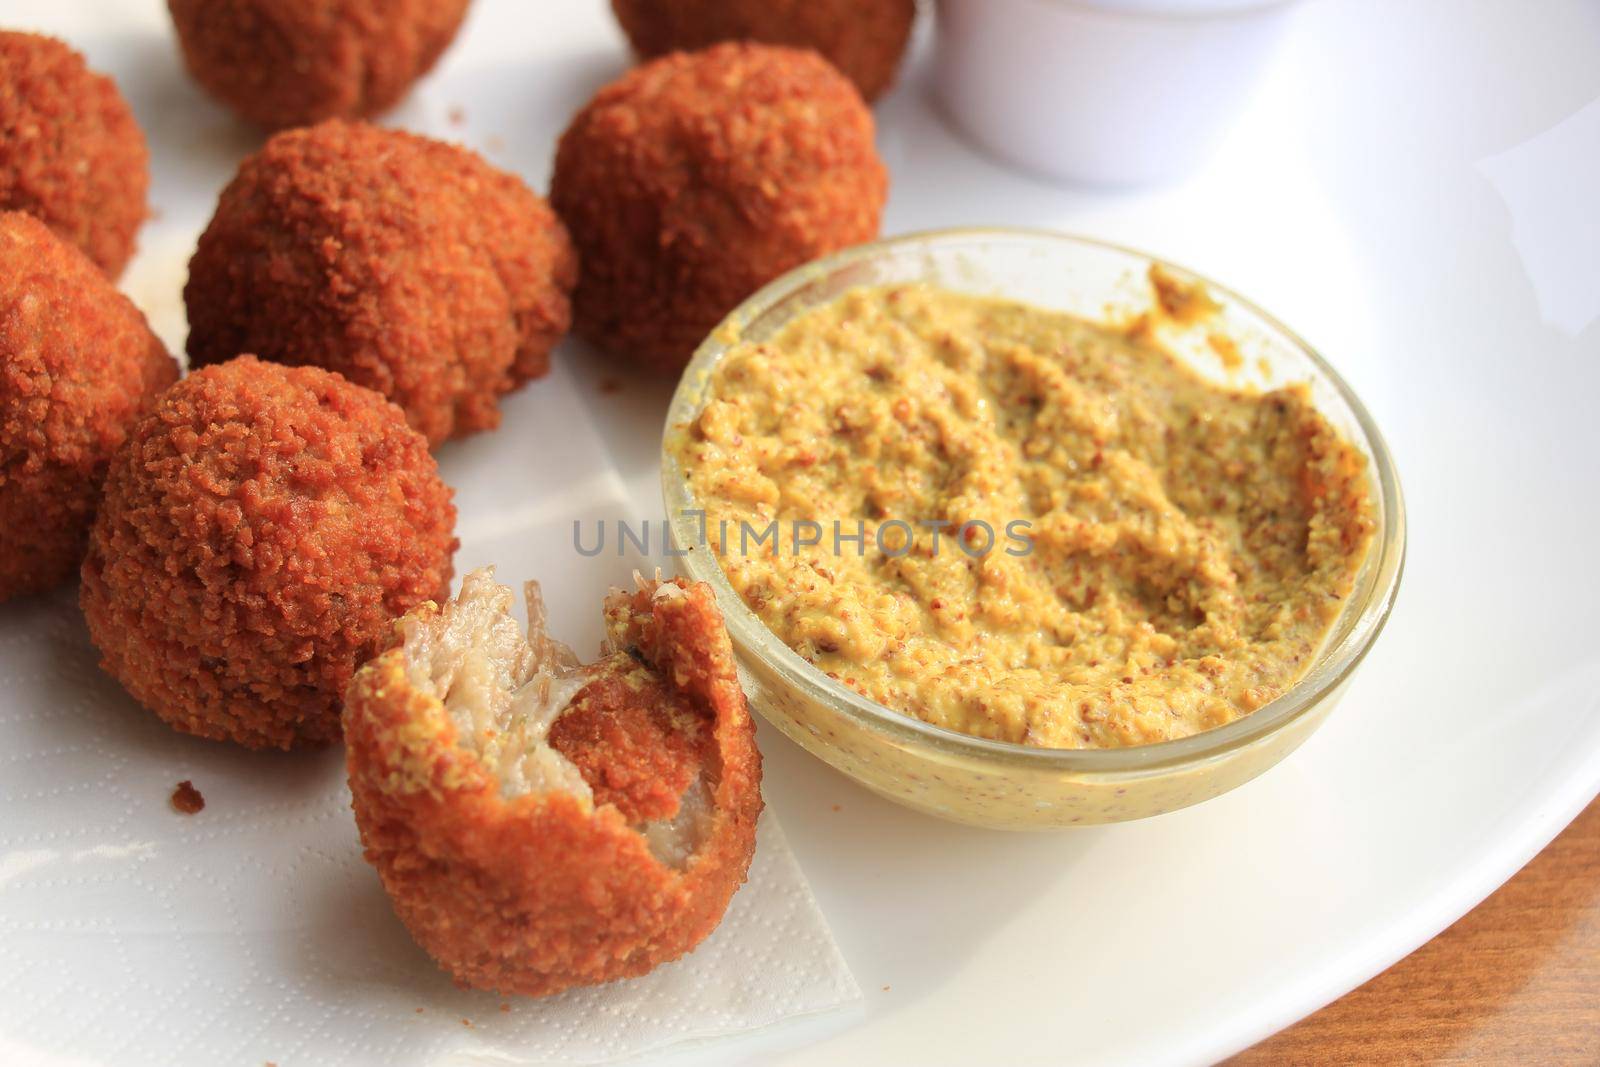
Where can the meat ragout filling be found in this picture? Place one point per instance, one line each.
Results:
(506, 691)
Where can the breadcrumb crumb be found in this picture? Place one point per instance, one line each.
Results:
(187, 799)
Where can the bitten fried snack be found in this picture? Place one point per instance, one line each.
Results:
(282, 63)
(262, 528)
(541, 825)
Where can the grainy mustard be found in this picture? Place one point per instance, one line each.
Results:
(1162, 555)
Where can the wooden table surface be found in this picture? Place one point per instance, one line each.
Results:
(1515, 981)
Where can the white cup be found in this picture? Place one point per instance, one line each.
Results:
(1107, 92)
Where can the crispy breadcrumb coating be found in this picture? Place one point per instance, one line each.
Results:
(540, 825)
(262, 528)
(408, 265)
(696, 178)
(71, 153)
(78, 364)
(281, 63)
(863, 38)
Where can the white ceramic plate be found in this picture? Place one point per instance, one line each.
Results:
(1350, 206)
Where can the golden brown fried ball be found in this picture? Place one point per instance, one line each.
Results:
(281, 63)
(71, 153)
(407, 265)
(78, 364)
(540, 825)
(863, 38)
(694, 179)
(262, 528)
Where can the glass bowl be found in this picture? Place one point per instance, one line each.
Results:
(999, 784)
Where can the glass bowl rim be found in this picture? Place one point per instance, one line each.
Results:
(1333, 665)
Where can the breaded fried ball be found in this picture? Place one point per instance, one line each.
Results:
(695, 179)
(281, 63)
(540, 825)
(71, 153)
(262, 529)
(409, 266)
(78, 364)
(863, 38)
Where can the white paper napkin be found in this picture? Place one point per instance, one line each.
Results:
(254, 932)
